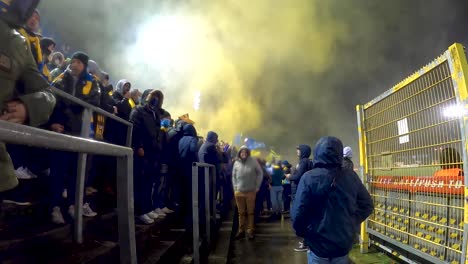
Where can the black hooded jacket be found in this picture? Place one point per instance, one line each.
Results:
(302, 167)
(330, 203)
(146, 130)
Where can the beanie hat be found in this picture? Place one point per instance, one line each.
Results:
(46, 42)
(81, 56)
(347, 152)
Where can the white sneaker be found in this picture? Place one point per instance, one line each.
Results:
(57, 217)
(167, 210)
(29, 174)
(146, 219)
(71, 211)
(21, 173)
(64, 194)
(153, 215)
(87, 211)
(160, 212)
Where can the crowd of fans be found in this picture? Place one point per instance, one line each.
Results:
(165, 149)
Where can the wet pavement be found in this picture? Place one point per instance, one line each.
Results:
(274, 243)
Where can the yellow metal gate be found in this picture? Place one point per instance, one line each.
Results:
(413, 146)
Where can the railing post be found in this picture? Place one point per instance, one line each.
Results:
(128, 141)
(214, 198)
(80, 179)
(195, 216)
(206, 180)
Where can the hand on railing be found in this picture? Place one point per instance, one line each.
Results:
(15, 112)
(57, 128)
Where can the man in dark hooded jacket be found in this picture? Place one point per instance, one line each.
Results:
(303, 153)
(304, 165)
(146, 142)
(208, 153)
(330, 205)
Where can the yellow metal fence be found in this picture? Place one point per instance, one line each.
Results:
(413, 159)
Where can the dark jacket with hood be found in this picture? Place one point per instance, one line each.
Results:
(188, 145)
(146, 130)
(67, 113)
(330, 202)
(208, 153)
(302, 167)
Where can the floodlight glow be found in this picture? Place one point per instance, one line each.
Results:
(454, 111)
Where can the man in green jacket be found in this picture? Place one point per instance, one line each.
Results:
(24, 95)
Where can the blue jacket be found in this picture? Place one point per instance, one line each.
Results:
(330, 202)
(188, 144)
(208, 153)
(301, 168)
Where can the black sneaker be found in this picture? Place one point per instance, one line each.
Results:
(301, 247)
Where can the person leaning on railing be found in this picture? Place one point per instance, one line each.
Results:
(24, 94)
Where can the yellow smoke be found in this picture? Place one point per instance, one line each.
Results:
(226, 46)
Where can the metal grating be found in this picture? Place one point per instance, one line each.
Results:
(414, 163)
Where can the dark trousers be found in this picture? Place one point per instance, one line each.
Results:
(142, 185)
(63, 172)
(286, 196)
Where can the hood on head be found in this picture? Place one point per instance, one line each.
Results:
(94, 69)
(120, 86)
(328, 152)
(189, 130)
(306, 150)
(144, 95)
(347, 152)
(242, 148)
(212, 137)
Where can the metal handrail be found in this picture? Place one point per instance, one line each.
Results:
(210, 208)
(35, 137)
(82, 156)
(25, 135)
(93, 108)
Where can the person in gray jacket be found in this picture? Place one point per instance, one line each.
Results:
(247, 176)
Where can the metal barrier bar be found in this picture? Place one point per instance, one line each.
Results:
(25, 135)
(456, 54)
(207, 204)
(93, 108)
(207, 176)
(363, 236)
(195, 216)
(214, 197)
(80, 179)
(126, 220)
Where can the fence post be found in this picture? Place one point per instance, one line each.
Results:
(364, 236)
(80, 179)
(215, 194)
(206, 180)
(125, 210)
(128, 141)
(195, 216)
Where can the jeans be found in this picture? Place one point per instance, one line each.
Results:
(276, 194)
(246, 205)
(314, 259)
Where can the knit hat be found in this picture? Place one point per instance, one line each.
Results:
(81, 56)
(347, 152)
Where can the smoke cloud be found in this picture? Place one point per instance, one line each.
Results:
(283, 72)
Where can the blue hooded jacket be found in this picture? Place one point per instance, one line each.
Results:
(208, 153)
(330, 202)
(302, 167)
(188, 144)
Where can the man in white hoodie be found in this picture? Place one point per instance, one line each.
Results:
(247, 176)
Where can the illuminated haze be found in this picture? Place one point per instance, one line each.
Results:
(283, 72)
